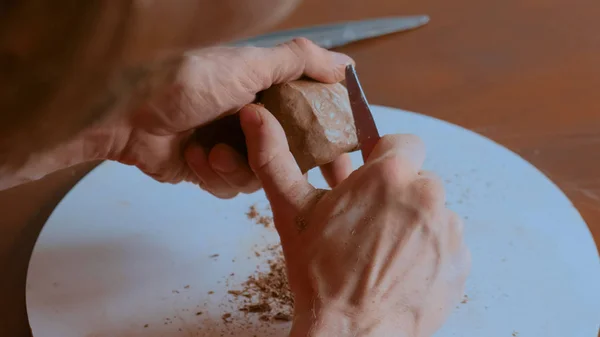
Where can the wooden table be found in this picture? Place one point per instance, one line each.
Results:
(525, 73)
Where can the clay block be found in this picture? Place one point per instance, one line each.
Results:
(317, 120)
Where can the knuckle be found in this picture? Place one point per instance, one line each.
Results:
(261, 161)
(302, 43)
(428, 191)
(393, 142)
(409, 149)
(402, 139)
(292, 59)
(302, 49)
(391, 171)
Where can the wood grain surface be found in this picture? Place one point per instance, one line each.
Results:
(525, 73)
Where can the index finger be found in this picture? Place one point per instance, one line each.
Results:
(270, 158)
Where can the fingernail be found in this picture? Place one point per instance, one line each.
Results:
(251, 115)
(225, 162)
(342, 59)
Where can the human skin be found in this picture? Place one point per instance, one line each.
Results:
(114, 90)
(95, 79)
(379, 254)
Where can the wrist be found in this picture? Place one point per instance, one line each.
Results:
(322, 323)
(101, 143)
(339, 323)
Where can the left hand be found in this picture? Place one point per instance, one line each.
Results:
(212, 83)
(207, 84)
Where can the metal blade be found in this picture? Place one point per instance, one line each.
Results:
(366, 130)
(339, 34)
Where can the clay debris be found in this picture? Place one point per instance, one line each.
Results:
(258, 218)
(267, 292)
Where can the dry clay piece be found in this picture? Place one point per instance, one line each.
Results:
(317, 120)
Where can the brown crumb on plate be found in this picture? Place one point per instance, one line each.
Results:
(259, 219)
(267, 291)
(280, 316)
(259, 307)
(252, 213)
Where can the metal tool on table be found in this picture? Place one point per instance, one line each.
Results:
(339, 34)
(228, 129)
(366, 130)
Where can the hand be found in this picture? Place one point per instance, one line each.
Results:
(207, 84)
(379, 255)
(212, 83)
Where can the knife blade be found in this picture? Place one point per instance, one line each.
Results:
(339, 34)
(366, 130)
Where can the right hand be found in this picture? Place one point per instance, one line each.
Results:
(379, 255)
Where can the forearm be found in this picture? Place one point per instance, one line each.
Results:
(70, 66)
(92, 144)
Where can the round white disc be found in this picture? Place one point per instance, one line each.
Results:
(125, 256)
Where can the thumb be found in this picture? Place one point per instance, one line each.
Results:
(270, 158)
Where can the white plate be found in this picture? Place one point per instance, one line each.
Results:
(119, 250)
